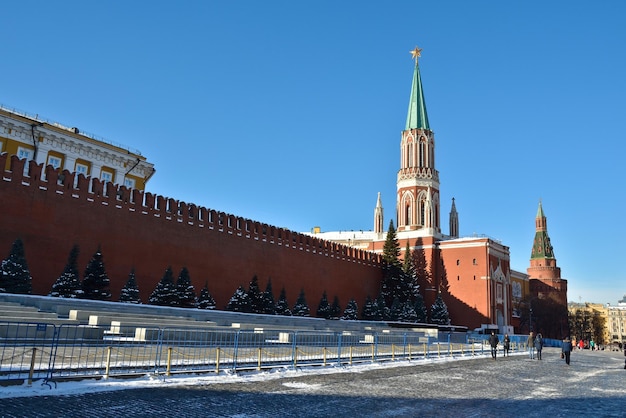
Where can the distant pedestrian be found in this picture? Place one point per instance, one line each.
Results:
(566, 350)
(530, 343)
(507, 344)
(592, 345)
(493, 341)
(539, 345)
(581, 344)
(625, 359)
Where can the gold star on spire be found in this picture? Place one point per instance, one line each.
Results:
(416, 53)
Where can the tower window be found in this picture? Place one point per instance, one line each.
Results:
(458, 262)
(474, 262)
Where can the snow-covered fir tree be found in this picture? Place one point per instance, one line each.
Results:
(268, 303)
(411, 286)
(67, 285)
(335, 309)
(301, 308)
(394, 284)
(383, 309)
(421, 313)
(206, 301)
(239, 301)
(130, 291)
(184, 289)
(323, 309)
(369, 308)
(439, 312)
(14, 274)
(282, 306)
(420, 264)
(395, 310)
(95, 281)
(255, 298)
(407, 313)
(351, 312)
(164, 294)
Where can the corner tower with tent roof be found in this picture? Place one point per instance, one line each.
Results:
(545, 275)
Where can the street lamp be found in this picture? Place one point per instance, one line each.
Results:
(531, 319)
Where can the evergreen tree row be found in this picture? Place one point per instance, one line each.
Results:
(253, 300)
(399, 298)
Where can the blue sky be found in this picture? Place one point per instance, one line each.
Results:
(290, 112)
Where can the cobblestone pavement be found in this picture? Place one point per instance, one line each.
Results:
(594, 385)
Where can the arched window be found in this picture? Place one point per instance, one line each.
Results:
(407, 214)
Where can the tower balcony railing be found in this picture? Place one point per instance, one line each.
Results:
(418, 172)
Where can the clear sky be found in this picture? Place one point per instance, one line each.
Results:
(290, 112)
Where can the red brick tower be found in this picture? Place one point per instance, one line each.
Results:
(545, 276)
(418, 180)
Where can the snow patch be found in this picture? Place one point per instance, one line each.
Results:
(299, 385)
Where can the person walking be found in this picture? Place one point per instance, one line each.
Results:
(507, 344)
(530, 343)
(539, 345)
(493, 341)
(566, 350)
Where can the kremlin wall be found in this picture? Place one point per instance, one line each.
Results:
(148, 232)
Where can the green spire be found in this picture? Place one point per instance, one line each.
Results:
(542, 248)
(540, 212)
(417, 117)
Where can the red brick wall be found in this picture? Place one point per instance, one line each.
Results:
(151, 232)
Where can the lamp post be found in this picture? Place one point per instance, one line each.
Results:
(530, 326)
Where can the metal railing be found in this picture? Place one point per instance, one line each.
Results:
(48, 352)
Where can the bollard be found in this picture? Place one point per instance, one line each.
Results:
(409, 352)
(108, 365)
(295, 357)
(217, 360)
(32, 367)
(324, 351)
(168, 368)
(258, 367)
(425, 351)
(438, 350)
(350, 355)
(373, 353)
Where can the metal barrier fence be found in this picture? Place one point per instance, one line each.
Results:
(48, 352)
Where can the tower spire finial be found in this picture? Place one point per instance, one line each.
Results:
(416, 53)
